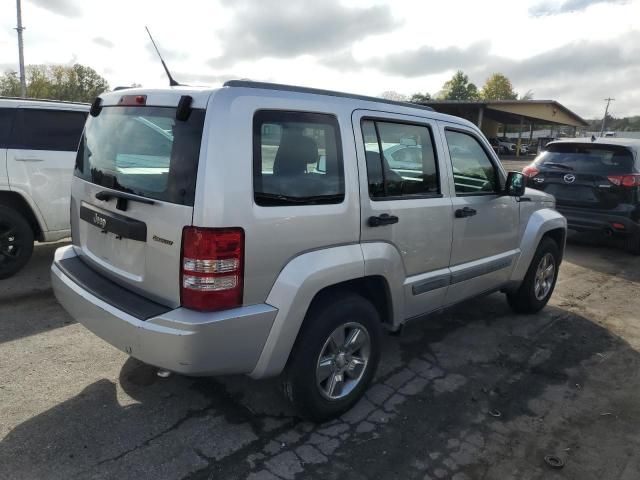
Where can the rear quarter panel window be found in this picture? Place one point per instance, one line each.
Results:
(297, 159)
(47, 129)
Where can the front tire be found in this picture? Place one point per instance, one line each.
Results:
(540, 280)
(334, 358)
(16, 241)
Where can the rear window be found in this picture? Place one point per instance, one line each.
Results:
(144, 151)
(587, 158)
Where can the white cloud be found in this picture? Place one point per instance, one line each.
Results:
(577, 52)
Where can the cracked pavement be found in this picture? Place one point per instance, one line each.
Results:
(474, 392)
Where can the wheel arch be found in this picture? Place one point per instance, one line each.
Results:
(558, 235)
(21, 205)
(310, 278)
(544, 222)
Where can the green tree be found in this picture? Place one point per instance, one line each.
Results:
(459, 88)
(77, 83)
(498, 87)
(10, 84)
(420, 97)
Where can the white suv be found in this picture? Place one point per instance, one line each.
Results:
(261, 229)
(38, 143)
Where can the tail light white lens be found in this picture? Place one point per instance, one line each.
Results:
(212, 268)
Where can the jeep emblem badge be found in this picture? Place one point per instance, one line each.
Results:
(569, 178)
(99, 221)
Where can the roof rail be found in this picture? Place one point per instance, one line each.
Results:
(48, 100)
(316, 91)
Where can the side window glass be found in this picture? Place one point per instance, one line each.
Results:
(6, 122)
(473, 171)
(400, 159)
(297, 159)
(49, 129)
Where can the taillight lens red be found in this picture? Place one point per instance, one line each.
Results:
(632, 180)
(530, 171)
(212, 268)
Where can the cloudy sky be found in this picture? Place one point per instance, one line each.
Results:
(575, 51)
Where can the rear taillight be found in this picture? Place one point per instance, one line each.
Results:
(632, 180)
(530, 171)
(212, 267)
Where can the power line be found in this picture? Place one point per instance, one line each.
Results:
(606, 110)
(19, 29)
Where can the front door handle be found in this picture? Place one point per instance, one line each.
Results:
(383, 219)
(465, 212)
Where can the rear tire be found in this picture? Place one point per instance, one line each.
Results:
(537, 286)
(321, 366)
(16, 241)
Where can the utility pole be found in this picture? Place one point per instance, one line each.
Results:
(606, 110)
(20, 28)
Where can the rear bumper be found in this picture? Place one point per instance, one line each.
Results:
(179, 340)
(589, 221)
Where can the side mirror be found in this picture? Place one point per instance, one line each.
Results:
(515, 184)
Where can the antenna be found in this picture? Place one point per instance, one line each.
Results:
(172, 82)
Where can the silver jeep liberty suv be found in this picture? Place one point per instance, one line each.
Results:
(267, 230)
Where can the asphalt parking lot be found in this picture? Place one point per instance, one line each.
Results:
(476, 392)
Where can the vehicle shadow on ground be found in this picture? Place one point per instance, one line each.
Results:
(601, 254)
(27, 304)
(476, 370)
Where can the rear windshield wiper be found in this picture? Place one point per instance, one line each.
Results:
(107, 194)
(122, 199)
(557, 165)
(275, 198)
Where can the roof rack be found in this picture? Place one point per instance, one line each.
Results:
(316, 91)
(48, 100)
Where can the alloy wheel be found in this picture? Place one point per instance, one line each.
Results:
(343, 360)
(545, 274)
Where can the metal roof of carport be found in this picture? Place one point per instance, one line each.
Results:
(510, 112)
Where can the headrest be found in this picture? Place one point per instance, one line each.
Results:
(295, 152)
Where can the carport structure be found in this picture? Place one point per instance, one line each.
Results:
(490, 114)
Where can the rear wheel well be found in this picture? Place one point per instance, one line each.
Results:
(373, 288)
(19, 204)
(558, 236)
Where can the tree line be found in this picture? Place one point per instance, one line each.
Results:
(77, 83)
(624, 124)
(496, 87)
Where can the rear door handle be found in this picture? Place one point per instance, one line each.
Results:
(28, 159)
(383, 219)
(465, 212)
